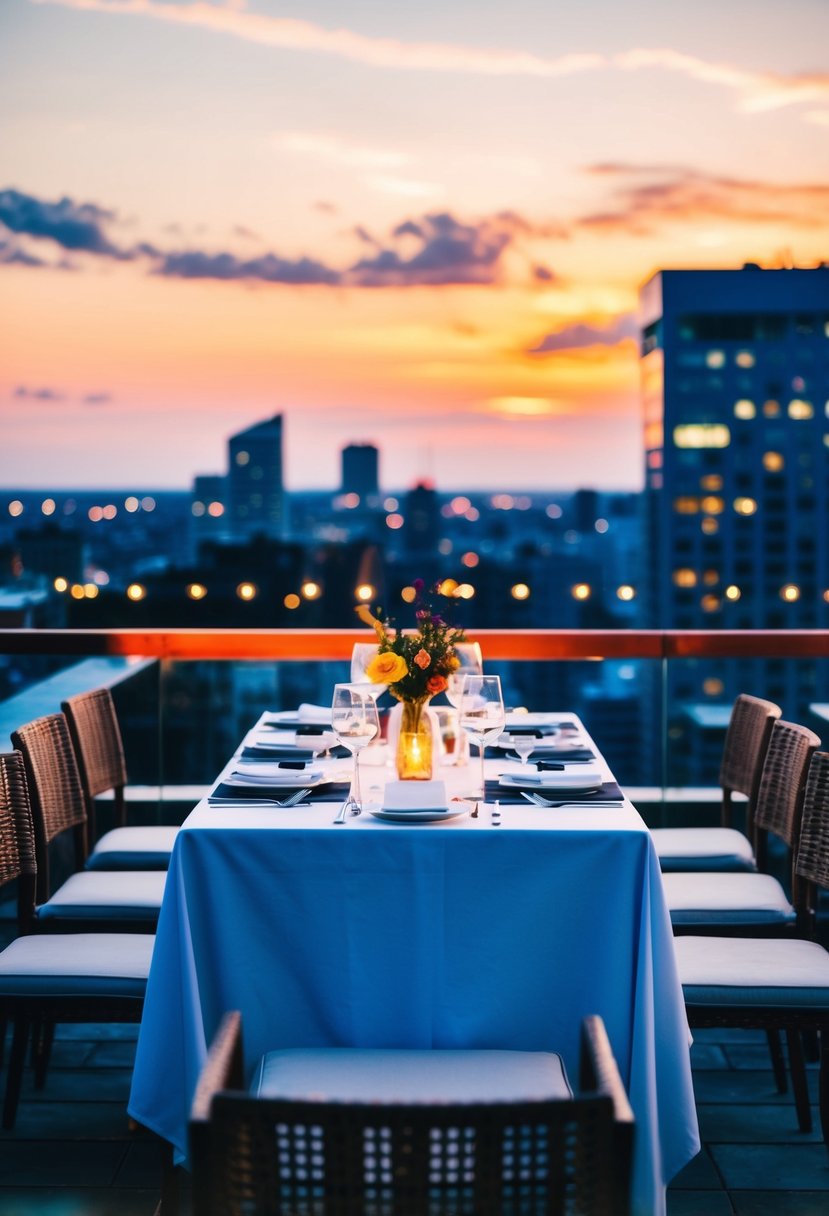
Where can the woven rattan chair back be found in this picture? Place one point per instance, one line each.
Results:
(99, 749)
(269, 1157)
(744, 750)
(812, 861)
(55, 790)
(782, 786)
(17, 842)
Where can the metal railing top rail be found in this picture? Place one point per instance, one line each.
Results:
(497, 644)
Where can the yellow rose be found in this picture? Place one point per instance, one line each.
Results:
(453, 663)
(387, 668)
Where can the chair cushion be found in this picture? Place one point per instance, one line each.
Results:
(138, 848)
(76, 964)
(107, 895)
(702, 849)
(344, 1074)
(753, 971)
(727, 899)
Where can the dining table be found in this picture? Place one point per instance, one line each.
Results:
(492, 923)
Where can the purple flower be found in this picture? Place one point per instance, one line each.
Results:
(438, 620)
(418, 585)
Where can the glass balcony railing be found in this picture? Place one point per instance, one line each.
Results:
(657, 702)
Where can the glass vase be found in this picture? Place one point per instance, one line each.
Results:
(414, 743)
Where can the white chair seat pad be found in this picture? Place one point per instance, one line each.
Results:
(702, 849)
(77, 964)
(136, 848)
(343, 1074)
(753, 971)
(738, 899)
(108, 895)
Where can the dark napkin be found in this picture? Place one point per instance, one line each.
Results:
(330, 791)
(609, 792)
(300, 755)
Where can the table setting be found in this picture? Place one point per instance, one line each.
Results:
(493, 900)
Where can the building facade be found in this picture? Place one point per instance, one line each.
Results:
(256, 495)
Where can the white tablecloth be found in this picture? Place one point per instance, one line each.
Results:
(458, 934)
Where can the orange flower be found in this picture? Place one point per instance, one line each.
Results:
(436, 684)
(387, 668)
(423, 659)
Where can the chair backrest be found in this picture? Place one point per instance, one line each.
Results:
(782, 785)
(99, 750)
(17, 843)
(278, 1158)
(811, 868)
(744, 751)
(54, 789)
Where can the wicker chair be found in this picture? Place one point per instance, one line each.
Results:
(744, 751)
(780, 983)
(123, 901)
(48, 978)
(709, 902)
(280, 1152)
(99, 751)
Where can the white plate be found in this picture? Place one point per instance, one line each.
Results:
(297, 779)
(573, 786)
(455, 809)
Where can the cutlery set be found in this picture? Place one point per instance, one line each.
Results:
(294, 799)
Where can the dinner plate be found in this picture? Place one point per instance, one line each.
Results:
(455, 809)
(510, 781)
(294, 779)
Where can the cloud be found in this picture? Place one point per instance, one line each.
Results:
(227, 267)
(448, 253)
(97, 399)
(285, 33)
(577, 337)
(12, 255)
(76, 227)
(676, 194)
(24, 393)
(334, 149)
(757, 92)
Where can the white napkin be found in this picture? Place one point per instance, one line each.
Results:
(314, 715)
(531, 721)
(267, 774)
(415, 796)
(572, 776)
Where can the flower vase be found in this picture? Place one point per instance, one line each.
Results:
(413, 756)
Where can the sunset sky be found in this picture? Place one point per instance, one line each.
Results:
(419, 225)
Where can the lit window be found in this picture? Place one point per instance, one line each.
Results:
(686, 505)
(310, 589)
(246, 591)
(242, 458)
(520, 591)
(800, 410)
(771, 409)
(291, 601)
(702, 435)
(745, 506)
(581, 591)
(710, 603)
(732, 593)
(712, 687)
(712, 482)
(216, 509)
(711, 578)
(394, 522)
(365, 592)
(745, 409)
(745, 358)
(773, 462)
(685, 577)
(625, 592)
(709, 526)
(196, 591)
(136, 592)
(790, 593)
(470, 560)
(715, 359)
(712, 505)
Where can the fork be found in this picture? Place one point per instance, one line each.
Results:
(537, 800)
(293, 800)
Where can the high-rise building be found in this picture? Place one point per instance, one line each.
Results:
(735, 383)
(209, 509)
(256, 494)
(360, 470)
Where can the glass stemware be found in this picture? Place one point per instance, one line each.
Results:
(355, 722)
(482, 713)
(471, 664)
(523, 743)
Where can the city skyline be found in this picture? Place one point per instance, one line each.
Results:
(423, 230)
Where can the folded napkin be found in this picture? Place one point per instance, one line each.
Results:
(608, 791)
(319, 715)
(526, 721)
(402, 796)
(585, 776)
(259, 752)
(273, 775)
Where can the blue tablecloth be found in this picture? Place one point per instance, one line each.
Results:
(458, 934)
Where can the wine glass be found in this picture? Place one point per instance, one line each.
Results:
(355, 723)
(471, 664)
(522, 742)
(361, 656)
(482, 713)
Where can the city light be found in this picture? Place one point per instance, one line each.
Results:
(15, 507)
(291, 600)
(448, 588)
(95, 514)
(136, 592)
(60, 584)
(626, 593)
(48, 506)
(601, 526)
(581, 591)
(745, 410)
(732, 593)
(710, 603)
(408, 595)
(365, 592)
(246, 591)
(76, 591)
(520, 591)
(773, 462)
(148, 503)
(470, 560)
(745, 506)
(198, 509)
(465, 591)
(790, 593)
(712, 687)
(394, 522)
(131, 504)
(196, 591)
(311, 590)
(216, 510)
(90, 591)
(800, 410)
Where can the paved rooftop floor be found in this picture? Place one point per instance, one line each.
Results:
(72, 1154)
